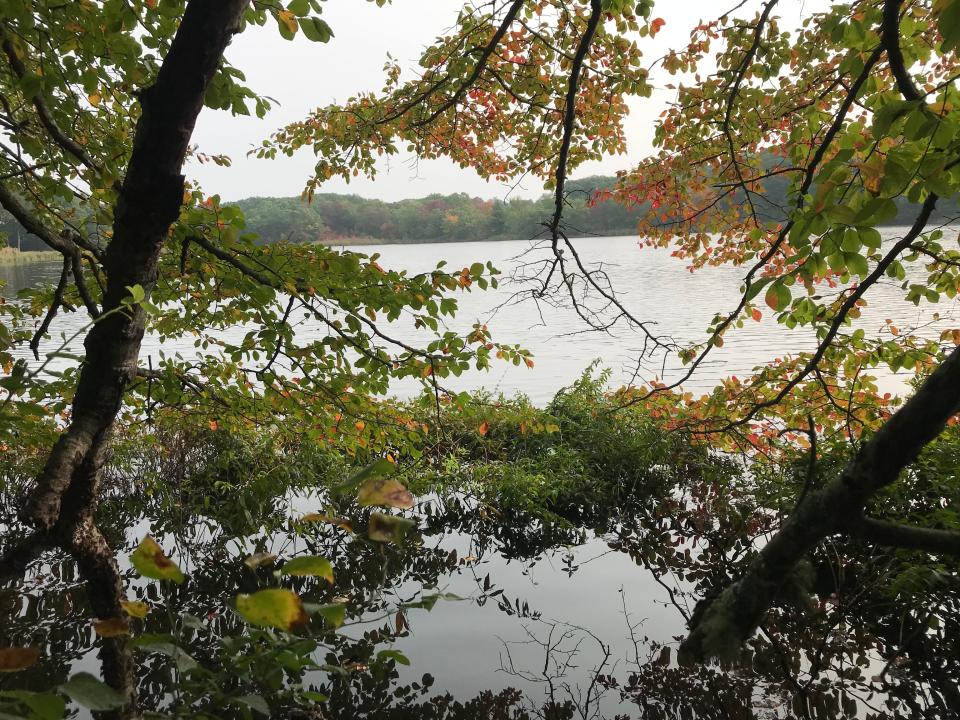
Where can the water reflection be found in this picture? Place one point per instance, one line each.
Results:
(501, 613)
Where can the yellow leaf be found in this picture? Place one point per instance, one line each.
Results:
(13, 659)
(275, 607)
(94, 98)
(135, 608)
(309, 566)
(148, 559)
(288, 19)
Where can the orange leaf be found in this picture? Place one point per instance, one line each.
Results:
(484, 427)
(112, 627)
(13, 659)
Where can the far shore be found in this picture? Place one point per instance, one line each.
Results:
(353, 240)
(12, 256)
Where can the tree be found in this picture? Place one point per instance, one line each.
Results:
(857, 111)
(861, 106)
(100, 100)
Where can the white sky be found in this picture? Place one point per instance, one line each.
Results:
(302, 75)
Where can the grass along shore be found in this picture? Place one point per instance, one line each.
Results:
(12, 256)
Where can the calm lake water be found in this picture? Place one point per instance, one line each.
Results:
(652, 285)
(578, 592)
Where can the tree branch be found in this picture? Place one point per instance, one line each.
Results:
(720, 625)
(43, 112)
(52, 310)
(911, 537)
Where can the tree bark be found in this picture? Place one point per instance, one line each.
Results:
(719, 626)
(148, 203)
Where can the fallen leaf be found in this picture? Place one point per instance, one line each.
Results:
(275, 607)
(13, 659)
(112, 627)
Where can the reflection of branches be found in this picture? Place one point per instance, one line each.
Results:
(562, 647)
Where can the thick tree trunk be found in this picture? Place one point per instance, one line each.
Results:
(63, 501)
(721, 625)
(148, 204)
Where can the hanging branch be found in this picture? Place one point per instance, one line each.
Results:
(54, 307)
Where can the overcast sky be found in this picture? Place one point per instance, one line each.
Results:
(302, 75)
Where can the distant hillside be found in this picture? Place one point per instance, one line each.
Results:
(457, 217)
(334, 219)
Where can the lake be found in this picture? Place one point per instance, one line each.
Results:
(582, 613)
(653, 285)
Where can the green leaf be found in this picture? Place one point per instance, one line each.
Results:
(84, 689)
(148, 560)
(870, 237)
(44, 706)
(756, 287)
(388, 528)
(333, 613)
(778, 296)
(856, 263)
(309, 566)
(165, 645)
(394, 655)
(316, 30)
(948, 21)
(137, 294)
(275, 607)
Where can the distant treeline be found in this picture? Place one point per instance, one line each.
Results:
(334, 219)
(457, 217)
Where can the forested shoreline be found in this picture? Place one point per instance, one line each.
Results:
(340, 219)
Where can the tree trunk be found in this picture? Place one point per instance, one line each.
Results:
(149, 202)
(62, 503)
(719, 626)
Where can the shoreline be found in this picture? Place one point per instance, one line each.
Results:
(348, 241)
(10, 257)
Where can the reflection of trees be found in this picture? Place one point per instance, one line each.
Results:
(687, 542)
